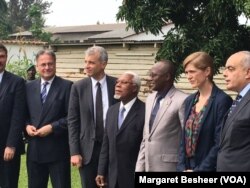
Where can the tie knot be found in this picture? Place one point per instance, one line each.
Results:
(45, 84)
(98, 84)
(158, 98)
(238, 97)
(123, 110)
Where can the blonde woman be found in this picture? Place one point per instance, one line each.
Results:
(204, 111)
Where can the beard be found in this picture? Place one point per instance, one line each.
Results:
(117, 96)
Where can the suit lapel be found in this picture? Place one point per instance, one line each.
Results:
(228, 122)
(162, 111)
(130, 116)
(4, 84)
(110, 90)
(37, 93)
(54, 89)
(90, 97)
(208, 108)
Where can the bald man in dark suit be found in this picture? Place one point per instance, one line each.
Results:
(234, 147)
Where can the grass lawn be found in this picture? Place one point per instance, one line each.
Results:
(23, 178)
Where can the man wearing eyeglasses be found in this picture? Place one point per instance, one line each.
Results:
(47, 101)
(123, 135)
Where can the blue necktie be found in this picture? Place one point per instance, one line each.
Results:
(154, 112)
(121, 117)
(44, 92)
(234, 104)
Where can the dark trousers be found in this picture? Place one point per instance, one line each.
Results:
(9, 172)
(88, 172)
(59, 172)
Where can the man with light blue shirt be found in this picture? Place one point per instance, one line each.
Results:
(123, 135)
(234, 152)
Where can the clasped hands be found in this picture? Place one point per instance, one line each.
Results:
(42, 132)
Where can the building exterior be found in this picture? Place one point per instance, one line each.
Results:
(127, 51)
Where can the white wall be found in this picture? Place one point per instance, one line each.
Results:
(19, 51)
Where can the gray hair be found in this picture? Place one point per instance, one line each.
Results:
(136, 79)
(98, 49)
(246, 58)
(46, 51)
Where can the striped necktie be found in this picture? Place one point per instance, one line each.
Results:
(234, 104)
(44, 92)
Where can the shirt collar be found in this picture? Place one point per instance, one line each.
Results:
(128, 105)
(102, 81)
(49, 81)
(245, 90)
(1, 76)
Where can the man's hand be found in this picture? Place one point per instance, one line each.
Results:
(44, 131)
(100, 181)
(9, 153)
(31, 130)
(76, 160)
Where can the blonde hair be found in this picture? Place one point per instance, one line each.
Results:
(200, 60)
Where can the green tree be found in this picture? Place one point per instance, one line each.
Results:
(200, 25)
(3, 15)
(36, 16)
(18, 13)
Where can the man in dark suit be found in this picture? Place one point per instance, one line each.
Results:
(123, 135)
(234, 148)
(12, 121)
(48, 149)
(87, 114)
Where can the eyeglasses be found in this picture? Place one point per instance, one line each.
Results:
(43, 65)
(123, 82)
(151, 74)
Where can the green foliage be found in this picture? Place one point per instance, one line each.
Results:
(23, 178)
(3, 25)
(36, 17)
(18, 13)
(200, 25)
(20, 66)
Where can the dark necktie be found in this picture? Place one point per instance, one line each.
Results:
(154, 112)
(234, 104)
(121, 117)
(99, 113)
(44, 92)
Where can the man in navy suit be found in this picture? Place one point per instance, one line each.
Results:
(12, 121)
(123, 135)
(48, 149)
(86, 126)
(234, 147)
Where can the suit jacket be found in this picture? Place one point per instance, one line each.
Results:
(54, 111)
(121, 146)
(12, 112)
(159, 148)
(208, 133)
(234, 149)
(81, 116)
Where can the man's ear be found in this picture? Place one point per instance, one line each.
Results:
(248, 74)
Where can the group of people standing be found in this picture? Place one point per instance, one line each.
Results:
(99, 125)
